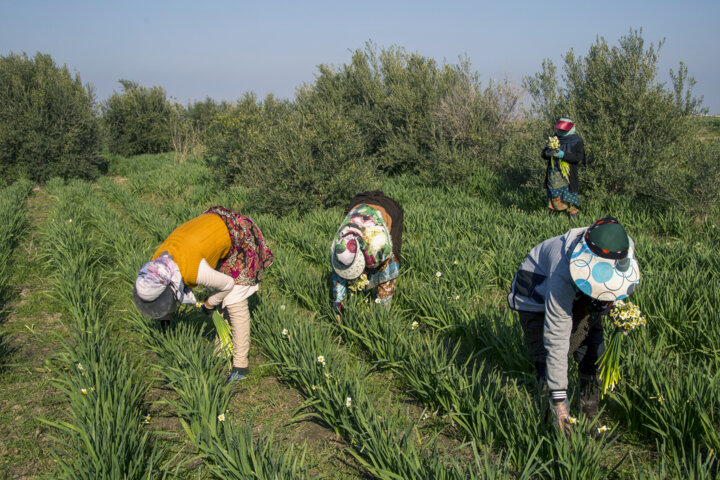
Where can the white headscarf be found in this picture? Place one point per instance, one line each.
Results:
(156, 275)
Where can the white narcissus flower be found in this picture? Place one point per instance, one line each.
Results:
(377, 300)
(282, 307)
(321, 359)
(414, 325)
(221, 417)
(285, 332)
(438, 274)
(603, 429)
(348, 402)
(83, 391)
(457, 297)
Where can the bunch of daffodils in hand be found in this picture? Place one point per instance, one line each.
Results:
(554, 144)
(224, 335)
(626, 317)
(359, 284)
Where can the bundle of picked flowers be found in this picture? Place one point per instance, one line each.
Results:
(359, 284)
(554, 144)
(626, 317)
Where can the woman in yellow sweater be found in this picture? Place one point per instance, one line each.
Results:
(221, 250)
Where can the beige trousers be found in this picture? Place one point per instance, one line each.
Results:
(238, 315)
(235, 308)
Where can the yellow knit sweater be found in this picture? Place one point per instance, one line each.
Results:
(205, 237)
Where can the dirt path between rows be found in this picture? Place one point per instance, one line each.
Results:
(34, 325)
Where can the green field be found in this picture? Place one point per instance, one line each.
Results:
(90, 389)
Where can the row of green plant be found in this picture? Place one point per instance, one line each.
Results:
(189, 364)
(13, 222)
(104, 433)
(388, 445)
(443, 366)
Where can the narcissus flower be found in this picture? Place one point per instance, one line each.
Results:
(359, 283)
(414, 325)
(603, 429)
(348, 402)
(438, 274)
(553, 143)
(321, 359)
(572, 420)
(221, 417)
(284, 332)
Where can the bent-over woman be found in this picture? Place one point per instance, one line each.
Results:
(368, 242)
(221, 250)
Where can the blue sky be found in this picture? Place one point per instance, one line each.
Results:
(222, 49)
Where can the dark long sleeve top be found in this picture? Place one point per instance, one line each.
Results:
(574, 149)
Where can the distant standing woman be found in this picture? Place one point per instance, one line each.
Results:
(221, 250)
(367, 242)
(563, 158)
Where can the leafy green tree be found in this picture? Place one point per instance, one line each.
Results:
(240, 137)
(48, 121)
(138, 120)
(625, 115)
(201, 114)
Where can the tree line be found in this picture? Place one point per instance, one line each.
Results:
(386, 112)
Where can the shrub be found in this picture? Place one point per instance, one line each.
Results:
(240, 137)
(626, 117)
(689, 176)
(138, 120)
(201, 114)
(415, 115)
(318, 160)
(48, 121)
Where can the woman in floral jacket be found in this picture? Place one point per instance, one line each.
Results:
(367, 243)
(221, 250)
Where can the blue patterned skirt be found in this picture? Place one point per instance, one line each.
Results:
(561, 192)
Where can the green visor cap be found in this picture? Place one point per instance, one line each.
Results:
(610, 237)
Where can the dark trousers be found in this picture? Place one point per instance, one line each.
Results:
(586, 340)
